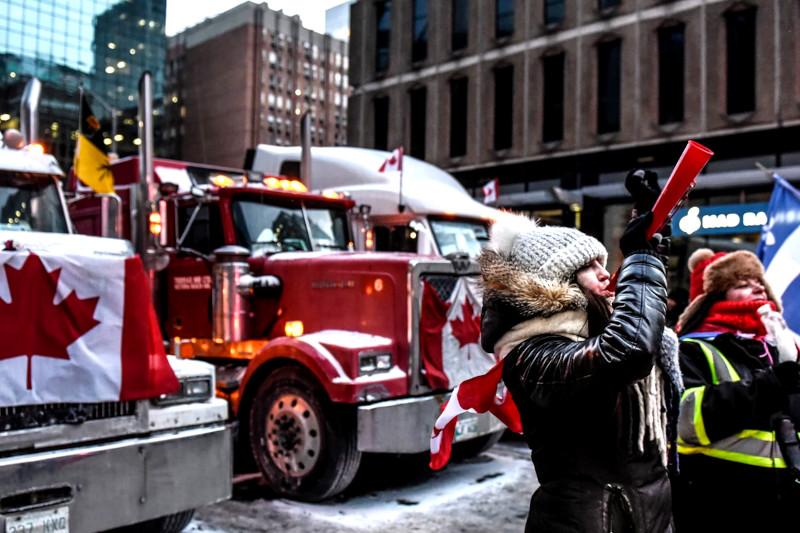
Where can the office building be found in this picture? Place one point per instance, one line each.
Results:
(245, 77)
(104, 45)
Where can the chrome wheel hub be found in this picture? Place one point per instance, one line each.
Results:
(293, 435)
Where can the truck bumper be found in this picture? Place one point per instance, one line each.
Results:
(108, 485)
(405, 425)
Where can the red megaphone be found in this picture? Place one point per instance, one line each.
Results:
(694, 157)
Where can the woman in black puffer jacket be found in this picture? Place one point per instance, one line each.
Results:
(594, 385)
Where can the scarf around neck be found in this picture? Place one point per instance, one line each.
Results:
(736, 317)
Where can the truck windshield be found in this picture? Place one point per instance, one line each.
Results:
(30, 203)
(266, 228)
(460, 236)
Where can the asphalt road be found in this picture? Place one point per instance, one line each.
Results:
(488, 493)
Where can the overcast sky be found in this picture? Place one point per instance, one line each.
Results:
(184, 13)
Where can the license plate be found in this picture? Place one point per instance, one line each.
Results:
(466, 427)
(50, 521)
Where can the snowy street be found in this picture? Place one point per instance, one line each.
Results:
(489, 492)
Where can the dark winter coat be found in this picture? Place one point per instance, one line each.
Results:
(712, 494)
(579, 410)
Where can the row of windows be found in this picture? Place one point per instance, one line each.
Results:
(740, 90)
(554, 12)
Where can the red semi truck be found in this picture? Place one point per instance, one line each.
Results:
(323, 353)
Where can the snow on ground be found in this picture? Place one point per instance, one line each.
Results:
(489, 493)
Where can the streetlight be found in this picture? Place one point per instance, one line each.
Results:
(111, 109)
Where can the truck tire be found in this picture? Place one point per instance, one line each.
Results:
(304, 445)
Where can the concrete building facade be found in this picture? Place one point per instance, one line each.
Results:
(559, 98)
(245, 77)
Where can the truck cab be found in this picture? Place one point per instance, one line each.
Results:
(69, 465)
(325, 353)
(425, 211)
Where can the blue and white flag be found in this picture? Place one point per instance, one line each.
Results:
(779, 249)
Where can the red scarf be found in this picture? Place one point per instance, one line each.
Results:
(736, 317)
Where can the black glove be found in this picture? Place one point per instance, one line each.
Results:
(662, 244)
(644, 189)
(634, 237)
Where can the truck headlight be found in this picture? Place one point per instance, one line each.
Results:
(194, 389)
(372, 362)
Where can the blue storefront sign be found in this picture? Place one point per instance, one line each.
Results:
(719, 219)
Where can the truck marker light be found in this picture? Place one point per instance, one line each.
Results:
(221, 180)
(284, 184)
(378, 284)
(155, 223)
(332, 194)
(369, 241)
(35, 148)
(293, 328)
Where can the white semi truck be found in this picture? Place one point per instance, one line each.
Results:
(92, 466)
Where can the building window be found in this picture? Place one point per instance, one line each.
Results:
(740, 25)
(608, 86)
(419, 31)
(382, 33)
(553, 98)
(553, 12)
(670, 73)
(604, 5)
(460, 37)
(503, 18)
(503, 106)
(381, 114)
(419, 119)
(458, 117)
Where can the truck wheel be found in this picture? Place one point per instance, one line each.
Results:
(303, 444)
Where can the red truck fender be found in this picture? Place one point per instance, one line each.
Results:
(314, 353)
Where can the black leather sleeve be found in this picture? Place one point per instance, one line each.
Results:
(622, 353)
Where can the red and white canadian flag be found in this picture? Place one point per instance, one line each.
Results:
(78, 328)
(491, 191)
(394, 162)
(475, 395)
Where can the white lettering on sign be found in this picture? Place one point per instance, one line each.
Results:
(191, 283)
(691, 222)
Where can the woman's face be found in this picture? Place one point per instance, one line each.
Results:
(746, 290)
(594, 278)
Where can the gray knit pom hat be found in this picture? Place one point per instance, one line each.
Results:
(551, 252)
(532, 267)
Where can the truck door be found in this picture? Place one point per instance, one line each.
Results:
(198, 234)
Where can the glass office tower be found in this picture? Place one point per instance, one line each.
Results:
(103, 44)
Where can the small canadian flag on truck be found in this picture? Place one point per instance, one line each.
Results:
(490, 191)
(393, 163)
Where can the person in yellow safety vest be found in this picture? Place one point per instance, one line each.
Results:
(741, 375)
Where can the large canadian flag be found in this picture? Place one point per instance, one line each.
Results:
(78, 328)
(452, 357)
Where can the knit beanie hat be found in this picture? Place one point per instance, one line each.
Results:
(532, 267)
(550, 252)
(711, 273)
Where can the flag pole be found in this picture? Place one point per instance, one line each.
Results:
(400, 207)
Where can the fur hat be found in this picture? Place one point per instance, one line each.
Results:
(711, 273)
(531, 267)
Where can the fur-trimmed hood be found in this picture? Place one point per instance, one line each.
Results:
(530, 295)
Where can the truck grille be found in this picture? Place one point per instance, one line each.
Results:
(443, 284)
(51, 414)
